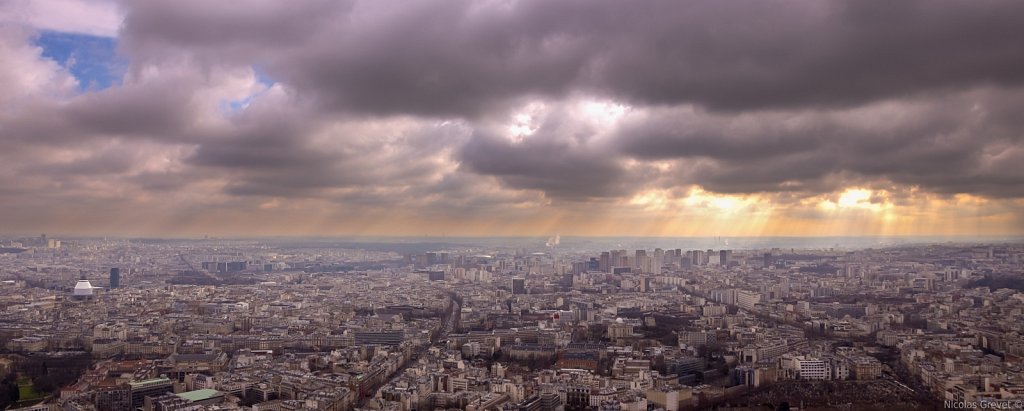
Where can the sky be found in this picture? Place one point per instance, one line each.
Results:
(512, 118)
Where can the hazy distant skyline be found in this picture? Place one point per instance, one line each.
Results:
(523, 118)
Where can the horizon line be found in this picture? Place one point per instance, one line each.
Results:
(342, 236)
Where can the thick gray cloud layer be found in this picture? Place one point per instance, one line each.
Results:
(410, 105)
(458, 58)
(962, 143)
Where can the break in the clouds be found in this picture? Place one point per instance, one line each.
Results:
(512, 117)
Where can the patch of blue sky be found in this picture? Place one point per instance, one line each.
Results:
(262, 76)
(236, 106)
(93, 60)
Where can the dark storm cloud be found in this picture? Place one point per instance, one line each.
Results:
(157, 108)
(384, 104)
(737, 56)
(546, 164)
(162, 31)
(667, 134)
(781, 67)
(274, 151)
(454, 58)
(961, 144)
(272, 145)
(278, 162)
(160, 109)
(440, 58)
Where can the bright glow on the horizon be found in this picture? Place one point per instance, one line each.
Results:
(696, 198)
(855, 197)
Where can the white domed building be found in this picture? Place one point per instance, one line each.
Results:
(83, 289)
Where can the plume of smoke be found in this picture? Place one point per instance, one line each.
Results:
(553, 240)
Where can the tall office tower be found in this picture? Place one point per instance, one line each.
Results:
(698, 257)
(724, 257)
(605, 263)
(659, 260)
(640, 260)
(768, 261)
(579, 267)
(115, 277)
(646, 264)
(616, 261)
(518, 285)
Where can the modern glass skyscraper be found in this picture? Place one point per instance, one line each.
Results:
(115, 277)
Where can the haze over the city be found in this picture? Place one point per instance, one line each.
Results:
(512, 118)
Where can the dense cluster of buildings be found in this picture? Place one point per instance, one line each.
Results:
(252, 326)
